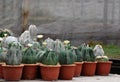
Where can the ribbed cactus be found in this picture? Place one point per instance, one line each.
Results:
(29, 55)
(88, 54)
(14, 54)
(33, 31)
(3, 51)
(50, 58)
(59, 46)
(50, 43)
(36, 46)
(79, 55)
(67, 57)
(25, 38)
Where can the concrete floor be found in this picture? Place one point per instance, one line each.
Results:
(110, 78)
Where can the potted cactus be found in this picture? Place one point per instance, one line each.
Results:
(49, 66)
(30, 62)
(3, 52)
(67, 59)
(78, 62)
(12, 70)
(103, 65)
(89, 66)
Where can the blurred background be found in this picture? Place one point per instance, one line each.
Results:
(76, 20)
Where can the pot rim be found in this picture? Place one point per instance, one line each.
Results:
(21, 65)
(43, 65)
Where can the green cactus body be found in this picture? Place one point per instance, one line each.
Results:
(29, 56)
(79, 55)
(36, 46)
(14, 54)
(41, 55)
(67, 57)
(3, 52)
(88, 54)
(51, 58)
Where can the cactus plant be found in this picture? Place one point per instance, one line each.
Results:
(50, 43)
(2, 51)
(8, 40)
(79, 55)
(58, 46)
(88, 54)
(14, 54)
(25, 38)
(33, 31)
(51, 58)
(67, 57)
(29, 55)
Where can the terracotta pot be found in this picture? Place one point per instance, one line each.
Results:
(1, 70)
(89, 68)
(103, 68)
(67, 71)
(50, 72)
(12, 72)
(29, 71)
(78, 69)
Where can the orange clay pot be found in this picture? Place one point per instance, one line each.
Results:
(1, 70)
(67, 72)
(89, 68)
(78, 69)
(29, 71)
(12, 72)
(103, 68)
(49, 72)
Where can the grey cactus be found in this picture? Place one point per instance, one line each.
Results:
(14, 54)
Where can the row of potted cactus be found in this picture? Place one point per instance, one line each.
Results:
(53, 59)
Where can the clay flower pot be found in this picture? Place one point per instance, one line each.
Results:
(67, 71)
(12, 73)
(50, 72)
(103, 68)
(1, 70)
(89, 68)
(30, 71)
(78, 69)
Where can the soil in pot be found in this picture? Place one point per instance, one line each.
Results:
(12, 73)
(67, 72)
(29, 71)
(103, 68)
(49, 72)
(89, 68)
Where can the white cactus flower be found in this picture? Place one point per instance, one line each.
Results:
(5, 35)
(105, 57)
(66, 42)
(29, 45)
(44, 43)
(39, 36)
(98, 57)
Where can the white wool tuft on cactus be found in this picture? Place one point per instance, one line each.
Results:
(98, 50)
